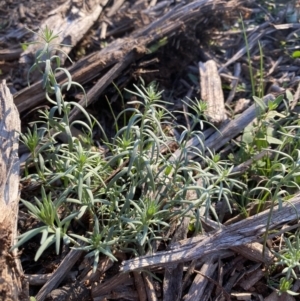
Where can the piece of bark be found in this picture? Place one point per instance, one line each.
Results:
(234, 83)
(187, 279)
(10, 54)
(121, 279)
(126, 293)
(150, 289)
(252, 251)
(70, 21)
(255, 35)
(242, 296)
(41, 279)
(140, 286)
(200, 282)
(172, 285)
(12, 283)
(211, 92)
(72, 292)
(59, 274)
(247, 231)
(241, 105)
(252, 279)
(93, 65)
(88, 276)
(208, 292)
(115, 7)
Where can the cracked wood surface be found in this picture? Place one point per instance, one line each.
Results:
(11, 274)
(71, 21)
(212, 92)
(247, 231)
(128, 48)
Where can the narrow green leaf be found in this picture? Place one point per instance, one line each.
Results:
(49, 241)
(69, 218)
(86, 240)
(44, 237)
(80, 186)
(28, 235)
(57, 241)
(260, 103)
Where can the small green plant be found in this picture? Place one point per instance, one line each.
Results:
(115, 198)
(127, 198)
(289, 259)
(257, 81)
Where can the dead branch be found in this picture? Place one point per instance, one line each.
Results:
(247, 231)
(130, 48)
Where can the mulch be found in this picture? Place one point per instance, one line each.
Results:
(161, 41)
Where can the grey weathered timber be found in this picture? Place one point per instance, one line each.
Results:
(70, 21)
(254, 251)
(212, 92)
(200, 282)
(246, 231)
(227, 132)
(11, 274)
(59, 274)
(94, 64)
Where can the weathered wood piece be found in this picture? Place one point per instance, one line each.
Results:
(212, 92)
(93, 65)
(70, 21)
(200, 282)
(11, 274)
(251, 280)
(217, 140)
(41, 279)
(140, 286)
(100, 291)
(255, 35)
(150, 289)
(10, 54)
(173, 279)
(71, 292)
(61, 272)
(234, 83)
(247, 231)
(253, 251)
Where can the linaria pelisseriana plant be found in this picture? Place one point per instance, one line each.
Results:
(117, 193)
(126, 199)
(289, 259)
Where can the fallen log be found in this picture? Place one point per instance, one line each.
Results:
(12, 283)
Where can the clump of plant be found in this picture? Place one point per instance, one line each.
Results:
(289, 260)
(273, 177)
(126, 199)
